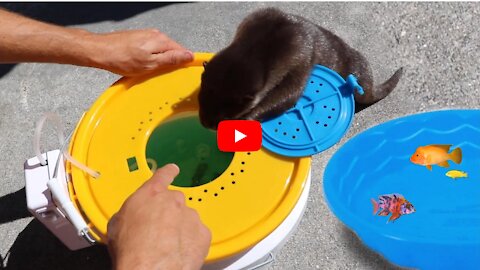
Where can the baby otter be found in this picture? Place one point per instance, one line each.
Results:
(262, 73)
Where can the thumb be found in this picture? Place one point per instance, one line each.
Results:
(162, 178)
(173, 57)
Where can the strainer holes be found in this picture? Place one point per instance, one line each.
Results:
(248, 153)
(329, 117)
(333, 109)
(215, 194)
(141, 123)
(232, 174)
(241, 171)
(199, 199)
(243, 162)
(284, 133)
(166, 103)
(233, 182)
(317, 122)
(150, 112)
(320, 84)
(325, 125)
(293, 137)
(139, 129)
(150, 119)
(133, 138)
(279, 123)
(276, 130)
(205, 190)
(311, 81)
(324, 106)
(190, 198)
(222, 188)
(318, 91)
(159, 108)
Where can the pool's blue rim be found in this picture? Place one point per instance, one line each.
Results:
(361, 227)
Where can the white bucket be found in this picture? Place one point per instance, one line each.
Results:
(263, 253)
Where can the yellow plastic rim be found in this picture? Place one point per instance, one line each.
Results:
(254, 194)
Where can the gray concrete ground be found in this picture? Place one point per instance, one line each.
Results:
(437, 43)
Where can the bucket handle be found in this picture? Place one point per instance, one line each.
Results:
(270, 259)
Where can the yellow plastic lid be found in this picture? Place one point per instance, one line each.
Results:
(245, 203)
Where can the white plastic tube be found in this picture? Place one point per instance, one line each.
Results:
(67, 206)
(58, 192)
(57, 121)
(38, 132)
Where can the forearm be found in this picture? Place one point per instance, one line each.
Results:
(26, 40)
(128, 53)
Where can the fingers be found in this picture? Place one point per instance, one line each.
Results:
(162, 178)
(160, 42)
(139, 52)
(164, 44)
(173, 57)
(111, 226)
(178, 196)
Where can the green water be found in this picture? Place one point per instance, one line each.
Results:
(185, 142)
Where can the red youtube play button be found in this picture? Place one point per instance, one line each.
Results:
(239, 136)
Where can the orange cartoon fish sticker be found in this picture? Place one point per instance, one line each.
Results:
(436, 154)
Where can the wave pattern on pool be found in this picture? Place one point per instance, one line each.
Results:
(444, 232)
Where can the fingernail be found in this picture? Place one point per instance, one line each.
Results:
(174, 166)
(189, 55)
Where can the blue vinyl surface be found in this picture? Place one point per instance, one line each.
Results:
(444, 232)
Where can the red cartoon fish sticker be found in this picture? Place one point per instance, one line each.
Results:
(394, 204)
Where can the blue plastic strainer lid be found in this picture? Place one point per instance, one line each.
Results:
(319, 119)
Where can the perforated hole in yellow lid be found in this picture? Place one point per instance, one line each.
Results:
(139, 122)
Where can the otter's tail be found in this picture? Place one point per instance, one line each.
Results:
(378, 92)
(381, 91)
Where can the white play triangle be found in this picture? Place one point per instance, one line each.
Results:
(239, 136)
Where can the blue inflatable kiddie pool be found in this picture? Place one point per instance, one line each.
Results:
(444, 231)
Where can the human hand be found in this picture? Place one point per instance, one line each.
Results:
(154, 229)
(136, 52)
